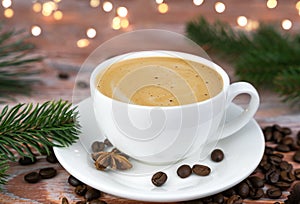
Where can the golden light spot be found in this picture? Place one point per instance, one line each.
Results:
(286, 24)
(271, 4)
(122, 11)
(107, 6)
(37, 7)
(6, 3)
(242, 21)
(198, 2)
(94, 3)
(220, 7)
(116, 23)
(124, 23)
(8, 13)
(83, 43)
(36, 30)
(58, 15)
(163, 8)
(91, 33)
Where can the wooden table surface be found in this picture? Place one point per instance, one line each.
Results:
(61, 56)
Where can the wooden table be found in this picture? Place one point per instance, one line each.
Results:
(68, 59)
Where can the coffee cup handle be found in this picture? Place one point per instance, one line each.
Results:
(241, 120)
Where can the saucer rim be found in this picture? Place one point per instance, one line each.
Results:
(142, 195)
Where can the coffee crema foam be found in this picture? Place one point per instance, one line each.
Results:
(159, 81)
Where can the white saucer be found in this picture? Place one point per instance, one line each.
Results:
(243, 152)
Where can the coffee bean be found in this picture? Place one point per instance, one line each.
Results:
(27, 160)
(81, 189)
(107, 143)
(97, 201)
(98, 146)
(229, 192)
(272, 176)
(235, 199)
(277, 136)
(269, 151)
(159, 178)
(82, 84)
(92, 194)
(282, 185)
(268, 133)
(74, 181)
(51, 158)
(207, 199)
(274, 193)
(275, 159)
(32, 177)
(296, 156)
(287, 176)
(47, 173)
(288, 141)
(219, 198)
(256, 181)
(286, 131)
(256, 193)
(285, 166)
(184, 171)
(276, 127)
(63, 75)
(282, 148)
(243, 190)
(217, 155)
(64, 200)
(297, 173)
(81, 202)
(201, 170)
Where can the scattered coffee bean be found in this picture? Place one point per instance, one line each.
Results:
(217, 155)
(27, 160)
(107, 143)
(81, 190)
(243, 190)
(82, 84)
(268, 133)
(285, 166)
(81, 202)
(282, 185)
(201, 170)
(74, 181)
(63, 75)
(296, 156)
(47, 173)
(288, 141)
(51, 158)
(159, 178)
(64, 200)
(235, 199)
(256, 181)
(97, 201)
(287, 176)
(184, 171)
(286, 131)
(283, 148)
(277, 137)
(219, 198)
(256, 193)
(294, 196)
(92, 194)
(98, 146)
(273, 175)
(297, 173)
(274, 193)
(229, 192)
(32, 177)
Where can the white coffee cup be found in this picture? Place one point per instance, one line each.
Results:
(160, 135)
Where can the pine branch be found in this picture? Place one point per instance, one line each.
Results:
(3, 170)
(40, 127)
(15, 64)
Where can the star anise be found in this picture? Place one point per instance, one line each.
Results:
(113, 159)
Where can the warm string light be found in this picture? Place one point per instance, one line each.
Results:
(58, 15)
(6, 3)
(198, 2)
(159, 1)
(91, 33)
(122, 11)
(286, 24)
(220, 7)
(94, 3)
(242, 21)
(36, 30)
(163, 8)
(83, 43)
(271, 4)
(8, 13)
(107, 6)
(37, 7)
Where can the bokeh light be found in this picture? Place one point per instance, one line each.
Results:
(198, 2)
(124, 23)
(163, 8)
(83, 43)
(91, 33)
(6, 3)
(94, 3)
(8, 13)
(271, 4)
(122, 11)
(298, 5)
(286, 24)
(116, 23)
(220, 7)
(107, 6)
(36, 30)
(37, 7)
(58, 15)
(242, 21)
(159, 1)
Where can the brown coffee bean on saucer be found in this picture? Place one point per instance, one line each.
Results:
(47, 173)
(92, 194)
(184, 171)
(159, 178)
(74, 181)
(217, 155)
(234, 199)
(201, 170)
(297, 173)
(274, 193)
(256, 193)
(107, 143)
(98, 146)
(256, 181)
(32, 177)
(296, 156)
(282, 148)
(243, 190)
(81, 190)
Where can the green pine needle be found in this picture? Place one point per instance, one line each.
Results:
(16, 71)
(265, 57)
(3, 170)
(25, 127)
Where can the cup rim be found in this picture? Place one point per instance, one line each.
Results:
(153, 53)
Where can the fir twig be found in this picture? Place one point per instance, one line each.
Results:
(265, 57)
(15, 64)
(3, 170)
(38, 127)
